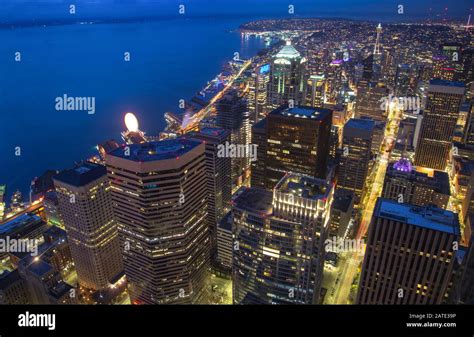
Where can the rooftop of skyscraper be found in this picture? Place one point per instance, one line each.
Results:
(288, 51)
(430, 217)
(260, 124)
(60, 289)
(360, 123)
(303, 186)
(439, 180)
(226, 222)
(446, 83)
(302, 112)
(342, 199)
(7, 278)
(82, 174)
(213, 132)
(159, 150)
(37, 267)
(256, 200)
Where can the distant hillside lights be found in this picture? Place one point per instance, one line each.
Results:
(70, 103)
(228, 150)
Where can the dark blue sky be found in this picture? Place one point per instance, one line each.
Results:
(14, 10)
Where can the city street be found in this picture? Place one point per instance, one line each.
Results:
(350, 266)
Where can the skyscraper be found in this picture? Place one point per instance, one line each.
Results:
(368, 68)
(442, 68)
(279, 241)
(86, 208)
(257, 97)
(409, 256)
(468, 137)
(232, 114)
(225, 242)
(405, 184)
(356, 155)
(159, 197)
(297, 142)
(341, 212)
(468, 65)
(316, 91)
(287, 79)
(406, 80)
(370, 98)
(218, 176)
(441, 112)
(43, 283)
(51, 209)
(463, 290)
(13, 288)
(259, 138)
(454, 54)
(467, 208)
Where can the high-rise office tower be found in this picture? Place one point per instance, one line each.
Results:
(259, 138)
(341, 212)
(335, 82)
(297, 142)
(443, 100)
(468, 65)
(370, 97)
(463, 290)
(159, 198)
(406, 80)
(86, 208)
(356, 153)
(218, 175)
(467, 208)
(13, 288)
(316, 92)
(287, 78)
(43, 283)
(442, 68)
(404, 183)
(409, 256)
(257, 97)
(468, 137)
(279, 241)
(232, 114)
(334, 143)
(454, 55)
(225, 242)
(388, 66)
(368, 68)
(51, 209)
